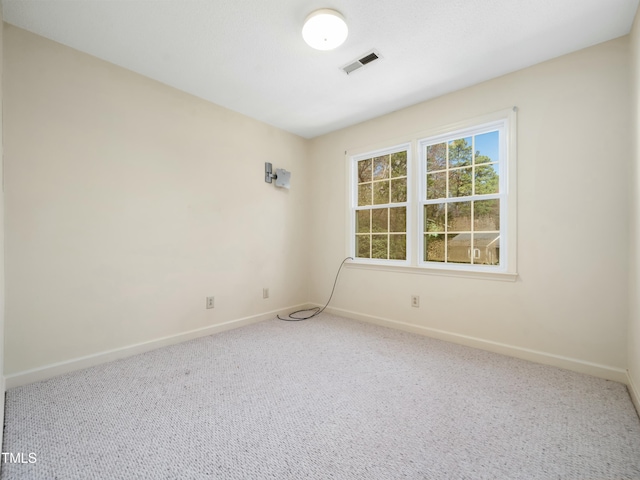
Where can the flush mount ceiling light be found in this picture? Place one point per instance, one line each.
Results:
(325, 29)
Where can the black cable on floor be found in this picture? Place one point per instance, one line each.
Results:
(317, 310)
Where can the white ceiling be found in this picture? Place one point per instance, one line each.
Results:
(249, 56)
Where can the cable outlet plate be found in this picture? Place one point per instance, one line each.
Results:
(210, 302)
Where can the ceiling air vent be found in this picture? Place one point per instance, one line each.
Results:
(361, 62)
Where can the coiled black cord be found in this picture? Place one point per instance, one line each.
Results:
(317, 310)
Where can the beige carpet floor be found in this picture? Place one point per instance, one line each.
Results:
(327, 398)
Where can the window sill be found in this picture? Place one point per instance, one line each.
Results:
(445, 272)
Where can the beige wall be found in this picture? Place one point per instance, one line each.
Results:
(129, 202)
(569, 306)
(634, 322)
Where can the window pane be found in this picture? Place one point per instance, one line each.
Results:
(434, 217)
(487, 147)
(487, 179)
(434, 247)
(380, 220)
(436, 157)
(399, 190)
(486, 215)
(381, 167)
(363, 246)
(379, 246)
(399, 164)
(364, 194)
(436, 185)
(459, 248)
(460, 152)
(486, 247)
(380, 193)
(459, 217)
(460, 182)
(364, 171)
(398, 247)
(398, 219)
(363, 221)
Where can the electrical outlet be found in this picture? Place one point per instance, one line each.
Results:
(210, 302)
(265, 293)
(415, 301)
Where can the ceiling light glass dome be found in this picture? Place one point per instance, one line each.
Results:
(325, 29)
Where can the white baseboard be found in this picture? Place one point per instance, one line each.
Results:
(594, 369)
(633, 392)
(597, 370)
(3, 385)
(55, 369)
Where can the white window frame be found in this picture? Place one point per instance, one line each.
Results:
(353, 203)
(500, 126)
(506, 121)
